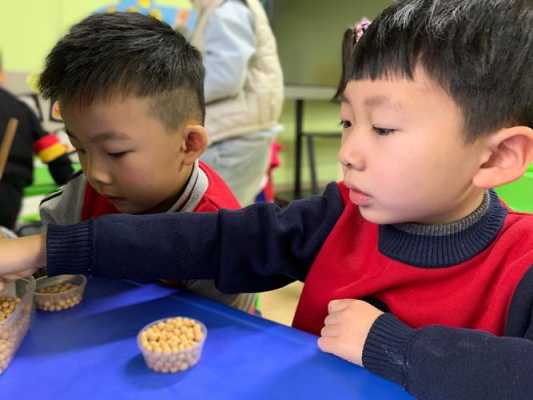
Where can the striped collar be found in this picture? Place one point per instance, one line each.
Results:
(429, 247)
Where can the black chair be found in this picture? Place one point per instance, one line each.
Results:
(310, 143)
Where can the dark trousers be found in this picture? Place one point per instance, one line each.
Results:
(10, 205)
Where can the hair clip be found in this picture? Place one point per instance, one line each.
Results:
(360, 28)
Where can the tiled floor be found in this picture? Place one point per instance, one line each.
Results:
(279, 305)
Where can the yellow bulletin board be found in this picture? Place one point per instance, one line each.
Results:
(29, 28)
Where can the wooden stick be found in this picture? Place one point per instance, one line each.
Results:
(9, 135)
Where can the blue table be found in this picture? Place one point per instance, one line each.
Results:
(90, 352)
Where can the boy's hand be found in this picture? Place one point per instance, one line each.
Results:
(21, 257)
(346, 328)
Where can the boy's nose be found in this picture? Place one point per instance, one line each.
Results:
(97, 173)
(351, 157)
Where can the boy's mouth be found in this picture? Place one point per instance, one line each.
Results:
(358, 197)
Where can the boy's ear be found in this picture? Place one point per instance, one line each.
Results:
(194, 143)
(508, 154)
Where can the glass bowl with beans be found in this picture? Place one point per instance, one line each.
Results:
(172, 344)
(59, 292)
(16, 309)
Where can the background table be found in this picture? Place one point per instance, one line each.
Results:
(90, 352)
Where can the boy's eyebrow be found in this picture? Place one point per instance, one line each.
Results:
(343, 98)
(376, 101)
(102, 137)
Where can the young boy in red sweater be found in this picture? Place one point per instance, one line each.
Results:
(130, 91)
(413, 267)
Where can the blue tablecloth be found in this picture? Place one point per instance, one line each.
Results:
(90, 352)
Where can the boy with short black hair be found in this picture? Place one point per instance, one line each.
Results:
(130, 91)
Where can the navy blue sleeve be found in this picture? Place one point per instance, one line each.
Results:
(438, 362)
(261, 247)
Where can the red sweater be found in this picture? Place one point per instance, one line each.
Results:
(218, 195)
(475, 293)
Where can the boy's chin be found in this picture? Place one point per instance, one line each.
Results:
(379, 217)
(126, 208)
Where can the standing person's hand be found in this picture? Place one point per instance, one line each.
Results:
(346, 328)
(21, 257)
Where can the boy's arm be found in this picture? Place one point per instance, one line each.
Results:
(438, 362)
(448, 363)
(257, 248)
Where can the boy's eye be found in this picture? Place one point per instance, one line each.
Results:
(118, 154)
(345, 124)
(383, 131)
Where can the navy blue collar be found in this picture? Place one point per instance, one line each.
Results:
(443, 251)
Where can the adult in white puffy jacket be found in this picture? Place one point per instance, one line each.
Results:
(243, 90)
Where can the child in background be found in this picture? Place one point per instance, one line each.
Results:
(130, 91)
(436, 111)
(30, 138)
